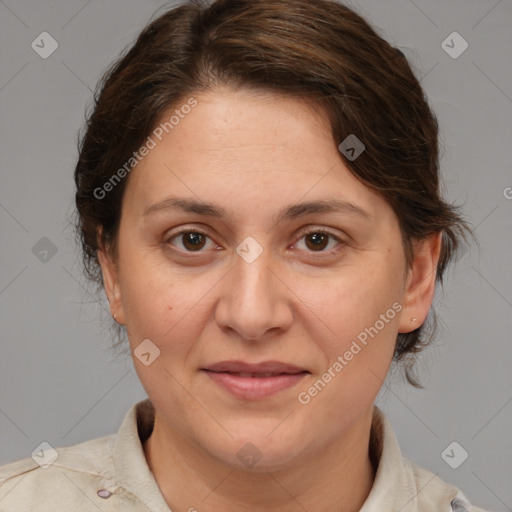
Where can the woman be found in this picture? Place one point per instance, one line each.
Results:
(258, 195)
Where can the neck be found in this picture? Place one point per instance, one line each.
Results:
(340, 477)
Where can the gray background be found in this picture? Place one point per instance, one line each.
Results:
(59, 379)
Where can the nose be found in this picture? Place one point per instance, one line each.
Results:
(255, 301)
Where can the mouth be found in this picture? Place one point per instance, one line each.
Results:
(254, 381)
(256, 375)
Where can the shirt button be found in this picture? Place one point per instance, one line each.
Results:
(458, 505)
(104, 493)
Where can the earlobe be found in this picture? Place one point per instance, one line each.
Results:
(420, 284)
(111, 284)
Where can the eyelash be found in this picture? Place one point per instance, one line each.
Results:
(302, 234)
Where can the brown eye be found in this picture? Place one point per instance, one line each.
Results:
(191, 241)
(319, 240)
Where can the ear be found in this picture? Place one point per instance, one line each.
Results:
(420, 283)
(109, 272)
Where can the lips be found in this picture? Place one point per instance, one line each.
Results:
(254, 381)
(264, 369)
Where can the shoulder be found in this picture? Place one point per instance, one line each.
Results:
(56, 476)
(433, 493)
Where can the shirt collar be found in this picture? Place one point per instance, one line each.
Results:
(132, 470)
(394, 487)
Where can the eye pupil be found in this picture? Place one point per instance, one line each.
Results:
(196, 240)
(318, 240)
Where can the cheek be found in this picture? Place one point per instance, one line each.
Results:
(360, 307)
(362, 316)
(166, 305)
(353, 301)
(157, 309)
(365, 310)
(148, 304)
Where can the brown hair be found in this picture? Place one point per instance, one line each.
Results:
(319, 50)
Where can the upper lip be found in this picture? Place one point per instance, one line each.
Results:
(275, 367)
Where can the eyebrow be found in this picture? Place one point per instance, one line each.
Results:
(290, 212)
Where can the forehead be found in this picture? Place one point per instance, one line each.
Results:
(244, 149)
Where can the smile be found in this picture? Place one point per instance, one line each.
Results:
(252, 386)
(252, 381)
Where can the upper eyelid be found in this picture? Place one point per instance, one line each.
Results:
(317, 229)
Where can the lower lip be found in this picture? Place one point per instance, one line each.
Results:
(255, 387)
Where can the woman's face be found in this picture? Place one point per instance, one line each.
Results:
(267, 270)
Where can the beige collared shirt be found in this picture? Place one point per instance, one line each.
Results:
(111, 474)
